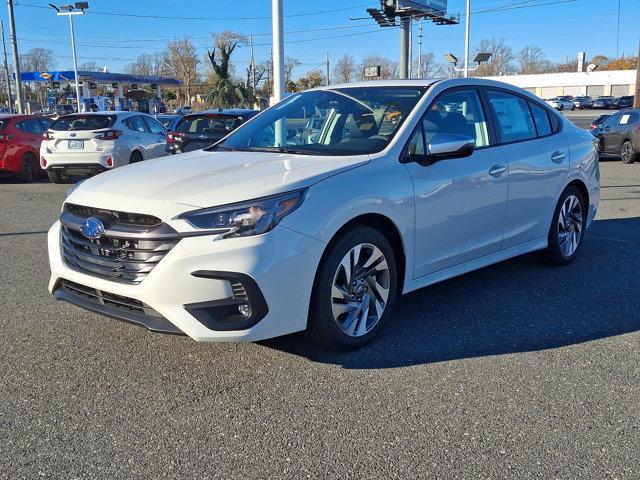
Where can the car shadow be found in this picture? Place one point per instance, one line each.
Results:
(519, 305)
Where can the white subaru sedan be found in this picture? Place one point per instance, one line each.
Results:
(406, 183)
(90, 143)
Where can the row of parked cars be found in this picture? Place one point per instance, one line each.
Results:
(36, 146)
(604, 102)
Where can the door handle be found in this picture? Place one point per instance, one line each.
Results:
(497, 170)
(557, 157)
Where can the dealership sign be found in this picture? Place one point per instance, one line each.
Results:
(425, 6)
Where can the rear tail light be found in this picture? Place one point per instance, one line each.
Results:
(47, 135)
(110, 161)
(109, 135)
(43, 162)
(173, 137)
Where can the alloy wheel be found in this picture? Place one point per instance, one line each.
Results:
(360, 290)
(570, 223)
(627, 152)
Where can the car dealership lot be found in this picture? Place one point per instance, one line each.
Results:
(517, 370)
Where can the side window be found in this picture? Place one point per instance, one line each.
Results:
(34, 126)
(22, 126)
(45, 122)
(459, 112)
(541, 118)
(613, 120)
(629, 118)
(416, 143)
(154, 126)
(135, 123)
(514, 117)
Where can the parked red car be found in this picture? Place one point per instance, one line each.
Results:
(20, 137)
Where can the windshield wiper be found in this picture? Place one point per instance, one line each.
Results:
(217, 146)
(295, 151)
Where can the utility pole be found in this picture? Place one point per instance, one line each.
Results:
(327, 65)
(420, 75)
(466, 41)
(278, 67)
(618, 34)
(16, 58)
(252, 66)
(410, 68)
(6, 69)
(404, 47)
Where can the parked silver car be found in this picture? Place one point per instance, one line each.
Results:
(89, 143)
(562, 103)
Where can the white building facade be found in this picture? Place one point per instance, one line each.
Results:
(547, 85)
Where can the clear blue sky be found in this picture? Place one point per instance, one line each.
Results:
(560, 27)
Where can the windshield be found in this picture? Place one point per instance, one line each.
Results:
(344, 121)
(208, 124)
(83, 122)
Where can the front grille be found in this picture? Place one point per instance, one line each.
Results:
(119, 303)
(126, 253)
(122, 217)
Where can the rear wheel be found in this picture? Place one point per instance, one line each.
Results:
(626, 153)
(561, 107)
(573, 107)
(57, 177)
(567, 228)
(354, 290)
(29, 169)
(135, 157)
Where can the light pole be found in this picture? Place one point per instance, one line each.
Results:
(481, 57)
(16, 57)
(70, 10)
(466, 40)
(6, 70)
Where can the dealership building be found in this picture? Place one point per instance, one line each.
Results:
(547, 85)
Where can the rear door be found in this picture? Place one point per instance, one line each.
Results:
(141, 134)
(158, 135)
(609, 137)
(538, 161)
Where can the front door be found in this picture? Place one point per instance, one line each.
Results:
(460, 203)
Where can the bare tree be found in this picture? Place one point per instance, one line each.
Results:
(531, 59)
(182, 61)
(427, 66)
(444, 70)
(290, 64)
(38, 60)
(89, 67)
(220, 57)
(156, 64)
(501, 61)
(569, 65)
(345, 70)
(388, 68)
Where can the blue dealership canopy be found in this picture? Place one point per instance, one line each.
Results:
(98, 77)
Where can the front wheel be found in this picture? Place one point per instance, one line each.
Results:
(573, 107)
(567, 228)
(29, 169)
(354, 290)
(626, 153)
(561, 107)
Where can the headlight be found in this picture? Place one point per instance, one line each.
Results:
(247, 218)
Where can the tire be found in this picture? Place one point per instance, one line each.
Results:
(573, 107)
(29, 168)
(338, 305)
(561, 108)
(135, 157)
(57, 177)
(627, 154)
(565, 241)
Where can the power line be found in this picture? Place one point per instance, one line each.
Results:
(166, 17)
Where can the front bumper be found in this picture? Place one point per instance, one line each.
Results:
(282, 263)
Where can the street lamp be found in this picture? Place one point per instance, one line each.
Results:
(70, 10)
(481, 58)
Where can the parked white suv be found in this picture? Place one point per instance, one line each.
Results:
(406, 184)
(89, 143)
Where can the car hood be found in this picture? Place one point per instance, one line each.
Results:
(205, 179)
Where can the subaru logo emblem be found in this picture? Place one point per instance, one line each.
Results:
(92, 228)
(72, 134)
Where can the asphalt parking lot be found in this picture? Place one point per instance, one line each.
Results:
(519, 370)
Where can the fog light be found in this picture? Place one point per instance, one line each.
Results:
(109, 162)
(244, 310)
